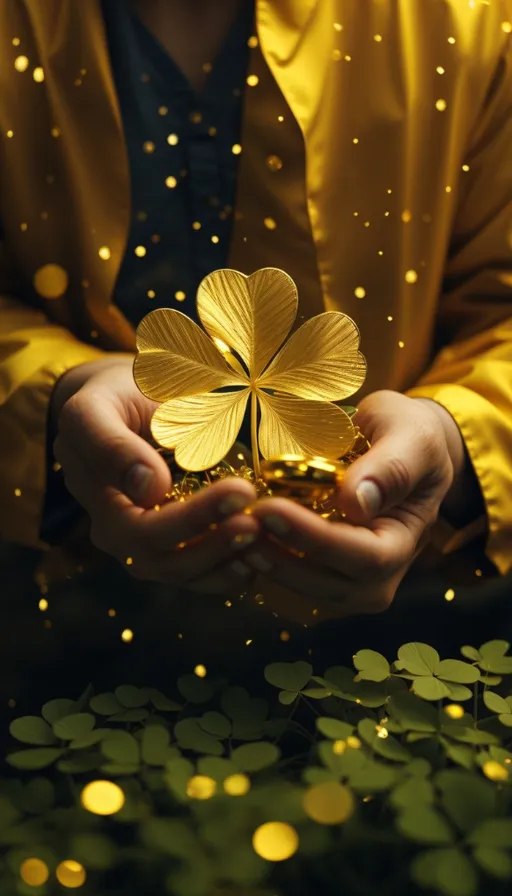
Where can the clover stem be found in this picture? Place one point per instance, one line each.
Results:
(254, 435)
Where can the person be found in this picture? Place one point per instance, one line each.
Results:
(366, 150)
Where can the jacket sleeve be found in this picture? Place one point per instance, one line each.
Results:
(472, 374)
(34, 353)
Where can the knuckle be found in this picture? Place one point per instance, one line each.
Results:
(399, 475)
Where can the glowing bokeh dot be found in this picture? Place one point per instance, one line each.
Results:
(38, 75)
(236, 149)
(359, 292)
(329, 803)
(34, 872)
(102, 798)
(275, 841)
(201, 787)
(21, 63)
(237, 785)
(449, 595)
(127, 636)
(411, 277)
(353, 742)
(339, 747)
(506, 27)
(51, 281)
(270, 224)
(253, 80)
(104, 253)
(141, 251)
(43, 605)
(171, 183)
(71, 874)
(441, 105)
(180, 296)
(495, 771)
(454, 711)
(275, 163)
(173, 139)
(200, 671)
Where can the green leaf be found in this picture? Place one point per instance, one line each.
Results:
(465, 798)
(105, 704)
(316, 693)
(255, 757)
(170, 836)
(91, 739)
(412, 792)
(178, 774)
(494, 832)
(496, 703)
(371, 776)
(458, 692)
(424, 868)
(248, 715)
(155, 744)
(94, 851)
(333, 728)
(424, 825)
(429, 688)
(57, 709)
(493, 657)
(121, 747)
(190, 736)
(412, 713)
(456, 875)
(506, 719)
(458, 753)
(388, 747)
(491, 680)
(457, 671)
(162, 703)
(132, 697)
(372, 666)
(495, 862)
(75, 726)
(196, 690)
(313, 776)
(419, 767)
(289, 676)
(38, 796)
(469, 735)
(217, 768)
(79, 764)
(349, 410)
(117, 769)
(130, 715)
(32, 730)
(286, 698)
(492, 650)
(33, 760)
(471, 653)
(216, 723)
(418, 658)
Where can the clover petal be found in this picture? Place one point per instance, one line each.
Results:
(320, 361)
(252, 315)
(201, 428)
(176, 358)
(291, 425)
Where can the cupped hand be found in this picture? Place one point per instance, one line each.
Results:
(390, 497)
(121, 480)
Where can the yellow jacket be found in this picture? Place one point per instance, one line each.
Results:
(393, 123)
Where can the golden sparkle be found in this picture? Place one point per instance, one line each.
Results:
(506, 27)
(390, 317)
(228, 603)
(454, 711)
(377, 38)
(448, 189)
(275, 841)
(71, 874)
(17, 492)
(21, 63)
(141, 251)
(440, 70)
(270, 224)
(151, 293)
(236, 149)
(451, 40)
(215, 239)
(441, 105)
(411, 276)
(163, 110)
(212, 131)
(237, 785)
(51, 281)
(382, 732)
(112, 613)
(196, 225)
(339, 747)
(195, 117)
(466, 168)
(34, 872)
(104, 253)
(284, 636)
(449, 595)
(43, 605)
(253, 42)
(38, 75)
(337, 55)
(55, 132)
(338, 27)
(173, 139)
(129, 561)
(127, 636)
(200, 671)
(171, 182)
(280, 118)
(10, 134)
(495, 771)
(102, 798)
(406, 216)
(360, 292)
(16, 41)
(401, 344)
(355, 140)
(329, 803)
(180, 296)
(348, 58)
(353, 742)
(274, 163)
(252, 80)
(149, 146)
(201, 787)
(207, 67)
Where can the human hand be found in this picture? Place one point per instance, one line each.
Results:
(120, 479)
(390, 496)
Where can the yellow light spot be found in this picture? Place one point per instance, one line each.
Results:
(111, 613)
(280, 118)
(207, 67)
(34, 872)
(495, 771)
(141, 251)
(339, 747)
(355, 140)
(55, 132)
(337, 55)
(252, 80)
(449, 595)
(440, 70)
(51, 281)
(275, 163)
(506, 27)
(129, 561)
(401, 344)
(248, 642)
(348, 58)
(406, 216)
(411, 277)
(127, 636)
(338, 26)
(102, 798)
(228, 604)
(390, 317)
(382, 732)
(171, 182)
(236, 149)
(270, 224)
(451, 40)
(215, 239)
(377, 38)
(16, 41)
(38, 75)
(195, 117)
(478, 572)
(10, 134)
(43, 605)
(17, 492)
(329, 803)
(465, 168)
(360, 292)
(71, 874)
(163, 110)
(180, 296)
(253, 42)
(448, 189)
(21, 63)
(212, 131)
(285, 636)
(275, 841)
(173, 139)
(454, 711)
(353, 742)
(104, 253)
(196, 225)
(151, 293)
(200, 671)
(380, 252)
(200, 787)
(149, 146)
(237, 785)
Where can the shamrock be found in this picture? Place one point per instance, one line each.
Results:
(292, 388)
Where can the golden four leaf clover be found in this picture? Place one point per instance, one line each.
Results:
(247, 320)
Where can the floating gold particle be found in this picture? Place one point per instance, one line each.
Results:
(377, 38)
(338, 26)
(336, 55)
(285, 636)
(275, 163)
(353, 742)
(406, 216)
(355, 140)
(440, 70)
(43, 605)
(34, 872)
(16, 41)
(465, 168)
(329, 803)
(248, 642)
(215, 239)
(111, 613)
(449, 595)
(380, 252)
(102, 798)
(10, 134)
(141, 251)
(401, 344)
(451, 40)
(21, 63)
(280, 118)
(454, 710)
(129, 561)
(382, 732)
(127, 636)
(17, 492)
(390, 317)
(173, 139)
(448, 189)
(196, 225)
(237, 785)
(236, 149)
(149, 146)
(151, 293)
(228, 603)
(252, 80)
(411, 277)
(56, 467)
(478, 572)
(104, 253)
(180, 296)
(200, 671)
(55, 132)
(163, 110)
(441, 105)
(171, 182)
(212, 131)
(200, 787)
(207, 67)
(495, 771)
(196, 117)
(51, 281)
(339, 747)
(360, 293)
(270, 224)
(348, 58)
(275, 841)
(71, 874)
(156, 238)
(38, 75)
(506, 27)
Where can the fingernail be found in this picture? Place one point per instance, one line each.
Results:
(233, 504)
(137, 482)
(276, 524)
(369, 496)
(260, 563)
(240, 568)
(243, 541)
